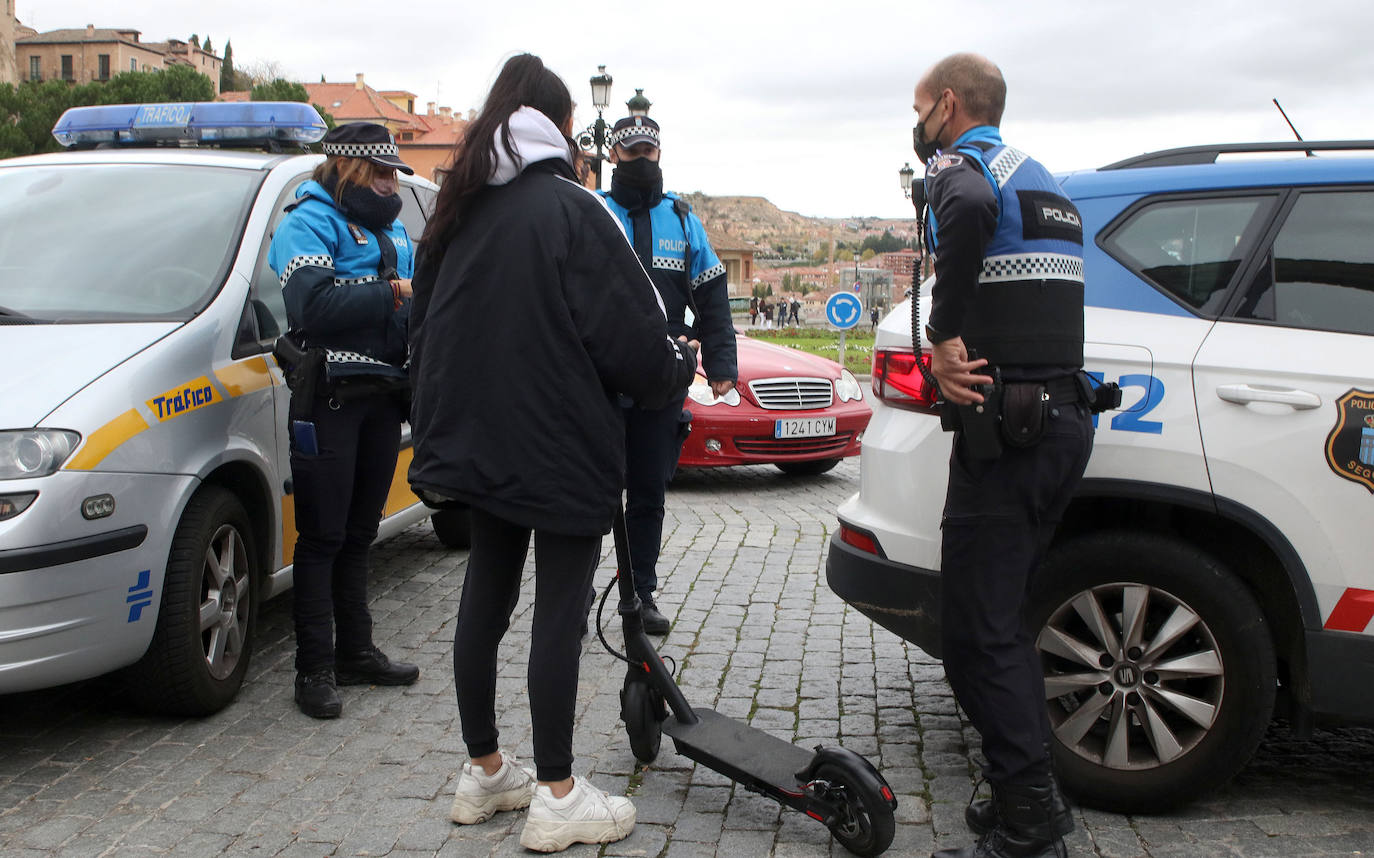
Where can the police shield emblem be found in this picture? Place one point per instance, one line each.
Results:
(1350, 446)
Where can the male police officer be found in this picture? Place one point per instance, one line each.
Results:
(1008, 286)
(672, 244)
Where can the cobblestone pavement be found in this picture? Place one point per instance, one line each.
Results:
(758, 635)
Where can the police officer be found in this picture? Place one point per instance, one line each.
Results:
(1008, 306)
(672, 245)
(345, 263)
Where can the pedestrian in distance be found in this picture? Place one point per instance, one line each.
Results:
(672, 245)
(873, 319)
(753, 311)
(768, 316)
(526, 277)
(345, 262)
(1006, 332)
(796, 311)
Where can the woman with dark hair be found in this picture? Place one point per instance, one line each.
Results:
(345, 263)
(531, 314)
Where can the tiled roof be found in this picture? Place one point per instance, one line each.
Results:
(56, 37)
(347, 103)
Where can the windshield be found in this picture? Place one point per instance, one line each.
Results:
(117, 242)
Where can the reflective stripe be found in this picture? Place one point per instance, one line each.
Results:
(302, 261)
(245, 376)
(1005, 164)
(714, 271)
(669, 263)
(104, 440)
(1031, 266)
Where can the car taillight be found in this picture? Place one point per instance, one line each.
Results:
(859, 539)
(897, 379)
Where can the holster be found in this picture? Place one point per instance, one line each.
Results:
(304, 370)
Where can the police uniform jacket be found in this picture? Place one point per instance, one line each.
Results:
(1008, 251)
(330, 273)
(536, 318)
(681, 260)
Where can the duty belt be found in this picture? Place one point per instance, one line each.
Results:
(1058, 391)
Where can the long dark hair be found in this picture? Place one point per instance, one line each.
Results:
(523, 81)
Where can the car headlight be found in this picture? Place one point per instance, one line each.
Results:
(847, 387)
(700, 393)
(28, 453)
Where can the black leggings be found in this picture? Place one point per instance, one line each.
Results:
(563, 571)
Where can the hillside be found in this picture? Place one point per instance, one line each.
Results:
(774, 232)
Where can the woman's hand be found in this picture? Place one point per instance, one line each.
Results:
(403, 286)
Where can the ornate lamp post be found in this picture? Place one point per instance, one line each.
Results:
(594, 136)
(638, 105)
(916, 192)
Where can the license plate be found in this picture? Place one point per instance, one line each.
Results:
(804, 427)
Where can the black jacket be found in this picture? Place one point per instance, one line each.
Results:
(538, 314)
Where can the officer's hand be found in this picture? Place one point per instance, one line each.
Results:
(695, 345)
(722, 387)
(955, 372)
(404, 285)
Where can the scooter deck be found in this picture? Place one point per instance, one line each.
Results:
(742, 753)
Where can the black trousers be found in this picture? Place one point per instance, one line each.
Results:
(653, 442)
(339, 496)
(563, 568)
(999, 518)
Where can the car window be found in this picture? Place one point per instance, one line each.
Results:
(1319, 275)
(267, 300)
(155, 240)
(413, 214)
(1190, 248)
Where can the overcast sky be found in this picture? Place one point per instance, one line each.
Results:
(809, 103)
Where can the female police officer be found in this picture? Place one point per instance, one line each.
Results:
(345, 263)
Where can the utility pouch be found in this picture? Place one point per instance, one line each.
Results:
(1025, 408)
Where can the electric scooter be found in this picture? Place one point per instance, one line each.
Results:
(835, 786)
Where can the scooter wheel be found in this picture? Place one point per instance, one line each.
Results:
(866, 824)
(642, 710)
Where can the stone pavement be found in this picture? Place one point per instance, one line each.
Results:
(758, 636)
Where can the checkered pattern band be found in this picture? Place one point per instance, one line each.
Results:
(634, 131)
(361, 150)
(300, 262)
(714, 271)
(668, 263)
(351, 357)
(1031, 266)
(1005, 164)
(354, 281)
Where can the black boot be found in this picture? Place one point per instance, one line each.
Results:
(372, 667)
(1025, 826)
(981, 814)
(654, 621)
(316, 694)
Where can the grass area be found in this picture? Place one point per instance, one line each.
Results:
(858, 344)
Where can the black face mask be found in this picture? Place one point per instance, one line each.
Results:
(364, 205)
(927, 149)
(639, 173)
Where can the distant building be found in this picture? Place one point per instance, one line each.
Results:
(8, 25)
(431, 152)
(901, 263)
(738, 259)
(358, 102)
(82, 56)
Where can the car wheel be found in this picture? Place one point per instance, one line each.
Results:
(453, 527)
(1159, 669)
(807, 469)
(204, 636)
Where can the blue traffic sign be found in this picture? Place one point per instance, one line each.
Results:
(843, 310)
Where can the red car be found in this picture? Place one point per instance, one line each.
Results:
(792, 409)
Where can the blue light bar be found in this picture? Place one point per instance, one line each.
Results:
(212, 123)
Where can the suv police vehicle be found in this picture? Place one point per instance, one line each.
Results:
(1213, 571)
(145, 500)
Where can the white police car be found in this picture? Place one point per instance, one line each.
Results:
(1214, 570)
(145, 507)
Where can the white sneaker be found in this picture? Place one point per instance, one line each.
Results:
(480, 795)
(585, 815)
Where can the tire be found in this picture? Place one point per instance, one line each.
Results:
(642, 711)
(204, 637)
(453, 527)
(866, 825)
(1159, 738)
(813, 468)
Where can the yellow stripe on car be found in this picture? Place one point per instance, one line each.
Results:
(104, 440)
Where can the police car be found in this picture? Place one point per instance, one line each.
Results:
(145, 499)
(1214, 570)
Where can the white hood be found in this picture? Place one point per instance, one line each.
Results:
(535, 138)
(59, 360)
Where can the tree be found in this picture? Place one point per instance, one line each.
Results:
(285, 90)
(205, 46)
(174, 83)
(228, 78)
(195, 40)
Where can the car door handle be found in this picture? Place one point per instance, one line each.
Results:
(1244, 393)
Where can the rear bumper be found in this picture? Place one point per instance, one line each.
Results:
(903, 599)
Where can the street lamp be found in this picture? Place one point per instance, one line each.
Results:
(916, 192)
(906, 174)
(594, 136)
(638, 105)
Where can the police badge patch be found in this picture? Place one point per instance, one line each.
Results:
(1350, 446)
(943, 162)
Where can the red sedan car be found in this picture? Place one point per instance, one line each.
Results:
(800, 412)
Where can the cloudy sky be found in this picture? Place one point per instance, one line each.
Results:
(809, 103)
